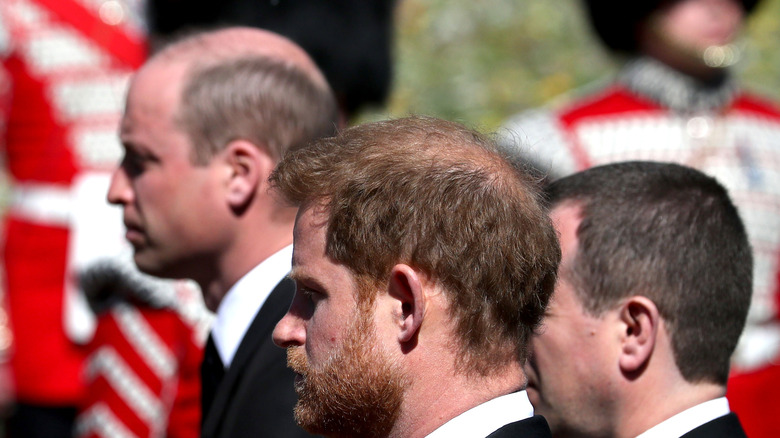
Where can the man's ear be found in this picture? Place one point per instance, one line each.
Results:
(248, 167)
(406, 287)
(640, 320)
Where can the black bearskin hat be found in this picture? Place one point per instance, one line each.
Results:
(350, 40)
(616, 21)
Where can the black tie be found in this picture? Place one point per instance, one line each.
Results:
(211, 373)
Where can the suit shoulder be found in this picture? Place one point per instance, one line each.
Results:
(727, 426)
(534, 427)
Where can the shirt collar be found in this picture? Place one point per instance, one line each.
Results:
(689, 419)
(242, 302)
(484, 419)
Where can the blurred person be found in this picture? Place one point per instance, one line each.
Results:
(423, 262)
(142, 370)
(676, 99)
(64, 66)
(350, 40)
(206, 120)
(652, 295)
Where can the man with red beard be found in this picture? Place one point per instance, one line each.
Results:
(423, 262)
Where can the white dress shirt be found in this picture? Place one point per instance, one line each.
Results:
(242, 302)
(688, 419)
(482, 420)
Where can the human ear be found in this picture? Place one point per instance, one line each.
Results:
(639, 320)
(406, 287)
(248, 166)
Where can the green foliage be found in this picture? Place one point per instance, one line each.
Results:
(479, 61)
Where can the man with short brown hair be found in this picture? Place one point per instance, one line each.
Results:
(207, 119)
(653, 293)
(423, 262)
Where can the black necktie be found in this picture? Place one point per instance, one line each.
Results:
(211, 373)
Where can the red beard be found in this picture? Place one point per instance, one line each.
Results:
(356, 393)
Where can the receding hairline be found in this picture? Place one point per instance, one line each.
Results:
(206, 49)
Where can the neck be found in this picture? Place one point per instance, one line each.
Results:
(253, 243)
(437, 396)
(650, 406)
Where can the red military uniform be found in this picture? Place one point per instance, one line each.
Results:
(655, 113)
(143, 371)
(65, 66)
(65, 69)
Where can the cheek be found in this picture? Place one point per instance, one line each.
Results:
(322, 335)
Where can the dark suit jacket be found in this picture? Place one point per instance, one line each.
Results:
(534, 427)
(727, 426)
(256, 396)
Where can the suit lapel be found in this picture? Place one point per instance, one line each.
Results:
(258, 332)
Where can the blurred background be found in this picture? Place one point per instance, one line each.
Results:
(479, 61)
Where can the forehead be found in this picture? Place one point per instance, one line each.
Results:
(566, 218)
(155, 91)
(149, 122)
(309, 232)
(309, 251)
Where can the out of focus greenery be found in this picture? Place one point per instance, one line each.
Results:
(479, 61)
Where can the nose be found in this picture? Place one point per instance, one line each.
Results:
(120, 192)
(289, 331)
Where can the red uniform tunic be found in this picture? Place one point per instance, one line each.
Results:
(64, 72)
(143, 370)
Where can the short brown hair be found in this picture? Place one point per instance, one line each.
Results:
(443, 199)
(255, 98)
(672, 234)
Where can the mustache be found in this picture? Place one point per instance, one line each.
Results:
(296, 360)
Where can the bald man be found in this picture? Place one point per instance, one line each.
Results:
(206, 121)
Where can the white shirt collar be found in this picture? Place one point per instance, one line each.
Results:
(484, 419)
(242, 302)
(688, 419)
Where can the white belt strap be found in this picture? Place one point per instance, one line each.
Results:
(48, 204)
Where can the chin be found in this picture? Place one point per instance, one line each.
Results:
(148, 265)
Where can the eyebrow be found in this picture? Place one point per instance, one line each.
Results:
(301, 278)
(297, 276)
(294, 274)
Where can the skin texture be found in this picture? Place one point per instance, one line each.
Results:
(324, 301)
(568, 381)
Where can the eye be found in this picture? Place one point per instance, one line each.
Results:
(309, 294)
(133, 163)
